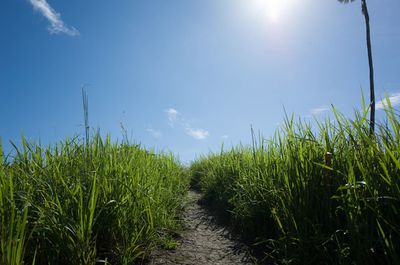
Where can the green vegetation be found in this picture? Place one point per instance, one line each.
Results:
(77, 203)
(329, 195)
(325, 196)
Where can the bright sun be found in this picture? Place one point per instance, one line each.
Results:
(274, 10)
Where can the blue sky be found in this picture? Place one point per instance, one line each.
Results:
(186, 75)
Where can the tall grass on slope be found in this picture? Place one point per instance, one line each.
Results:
(306, 197)
(84, 204)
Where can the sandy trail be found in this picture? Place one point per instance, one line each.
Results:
(202, 241)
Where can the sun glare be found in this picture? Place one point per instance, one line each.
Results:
(273, 10)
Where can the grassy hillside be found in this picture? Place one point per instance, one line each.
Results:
(306, 196)
(84, 204)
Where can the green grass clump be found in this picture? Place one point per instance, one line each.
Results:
(326, 196)
(77, 203)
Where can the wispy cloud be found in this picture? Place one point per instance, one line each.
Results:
(394, 101)
(56, 24)
(319, 110)
(225, 136)
(156, 134)
(198, 134)
(175, 118)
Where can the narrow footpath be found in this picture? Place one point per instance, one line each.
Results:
(202, 241)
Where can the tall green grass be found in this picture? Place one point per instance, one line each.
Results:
(78, 203)
(313, 196)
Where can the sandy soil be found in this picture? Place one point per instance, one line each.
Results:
(202, 241)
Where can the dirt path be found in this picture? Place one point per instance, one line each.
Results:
(202, 241)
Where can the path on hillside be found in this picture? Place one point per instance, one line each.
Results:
(202, 241)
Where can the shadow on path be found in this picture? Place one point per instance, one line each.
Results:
(202, 241)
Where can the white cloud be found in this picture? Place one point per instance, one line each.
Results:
(225, 136)
(199, 134)
(394, 101)
(317, 111)
(56, 24)
(156, 134)
(173, 116)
